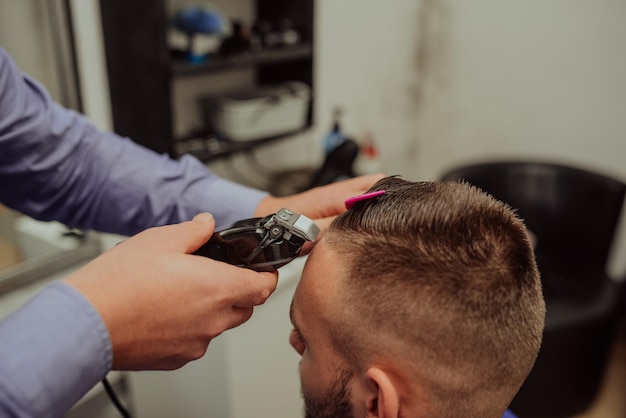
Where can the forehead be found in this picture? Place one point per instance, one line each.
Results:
(313, 299)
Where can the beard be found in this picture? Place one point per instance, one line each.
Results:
(335, 403)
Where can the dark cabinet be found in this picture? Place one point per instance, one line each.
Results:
(143, 71)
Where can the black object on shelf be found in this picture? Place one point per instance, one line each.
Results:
(239, 42)
(210, 148)
(242, 60)
(338, 164)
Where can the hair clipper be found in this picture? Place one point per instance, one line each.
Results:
(262, 244)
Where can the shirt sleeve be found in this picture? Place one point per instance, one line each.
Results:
(54, 349)
(55, 165)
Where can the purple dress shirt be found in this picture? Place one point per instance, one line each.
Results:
(55, 165)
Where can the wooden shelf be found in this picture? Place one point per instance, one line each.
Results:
(244, 60)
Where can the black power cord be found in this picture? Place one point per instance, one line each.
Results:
(109, 390)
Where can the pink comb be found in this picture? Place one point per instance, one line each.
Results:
(353, 200)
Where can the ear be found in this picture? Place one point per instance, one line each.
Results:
(384, 400)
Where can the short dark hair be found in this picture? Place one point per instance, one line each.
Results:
(443, 277)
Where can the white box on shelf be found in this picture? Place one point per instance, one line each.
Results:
(260, 113)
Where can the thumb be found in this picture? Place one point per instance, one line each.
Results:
(191, 235)
(204, 217)
(204, 225)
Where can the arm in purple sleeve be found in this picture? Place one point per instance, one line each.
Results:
(53, 350)
(55, 165)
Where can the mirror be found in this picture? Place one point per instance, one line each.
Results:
(31, 250)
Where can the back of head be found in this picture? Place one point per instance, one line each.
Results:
(441, 282)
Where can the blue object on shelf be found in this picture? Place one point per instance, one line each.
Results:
(199, 19)
(335, 137)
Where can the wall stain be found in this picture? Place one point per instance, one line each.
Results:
(429, 59)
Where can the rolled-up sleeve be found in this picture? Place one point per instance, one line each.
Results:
(53, 350)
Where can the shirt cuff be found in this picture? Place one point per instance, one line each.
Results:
(54, 349)
(227, 201)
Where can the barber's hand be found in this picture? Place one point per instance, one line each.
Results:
(322, 204)
(162, 305)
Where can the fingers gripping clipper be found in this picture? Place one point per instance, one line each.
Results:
(262, 244)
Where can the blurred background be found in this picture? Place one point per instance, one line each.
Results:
(284, 95)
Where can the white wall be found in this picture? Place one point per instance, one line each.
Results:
(441, 82)
(94, 81)
(365, 54)
(26, 34)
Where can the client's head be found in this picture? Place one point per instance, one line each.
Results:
(422, 302)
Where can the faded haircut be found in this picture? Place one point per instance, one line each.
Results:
(439, 279)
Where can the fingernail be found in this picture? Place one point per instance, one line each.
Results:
(204, 217)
